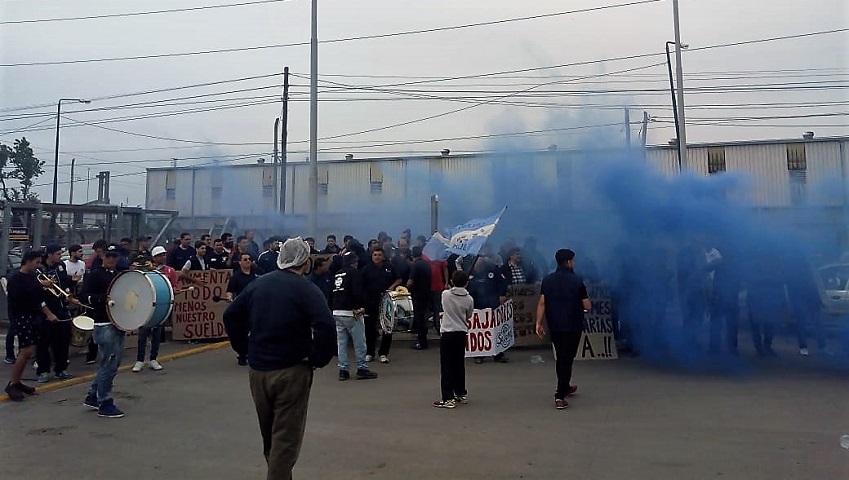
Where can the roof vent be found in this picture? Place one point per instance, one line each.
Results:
(445, 152)
(260, 161)
(349, 156)
(552, 148)
(808, 135)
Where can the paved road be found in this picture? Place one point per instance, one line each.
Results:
(195, 420)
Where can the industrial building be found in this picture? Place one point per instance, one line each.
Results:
(371, 194)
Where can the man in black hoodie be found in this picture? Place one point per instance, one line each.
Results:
(289, 329)
(348, 308)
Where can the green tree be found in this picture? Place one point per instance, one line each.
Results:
(19, 163)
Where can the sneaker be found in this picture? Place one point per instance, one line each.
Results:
(90, 362)
(560, 403)
(365, 374)
(804, 352)
(155, 365)
(43, 377)
(10, 360)
(26, 389)
(384, 359)
(572, 390)
(344, 375)
(91, 402)
(445, 404)
(14, 393)
(63, 376)
(108, 409)
(463, 399)
(419, 346)
(137, 367)
(369, 358)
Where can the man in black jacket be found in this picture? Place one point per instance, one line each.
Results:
(419, 286)
(348, 309)
(378, 278)
(291, 333)
(54, 338)
(109, 340)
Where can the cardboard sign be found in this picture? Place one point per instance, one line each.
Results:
(195, 315)
(490, 331)
(525, 297)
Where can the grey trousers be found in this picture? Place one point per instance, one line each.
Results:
(281, 398)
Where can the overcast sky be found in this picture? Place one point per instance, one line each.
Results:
(803, 78)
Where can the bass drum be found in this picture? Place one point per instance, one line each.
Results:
(139, 299)
(396, 312)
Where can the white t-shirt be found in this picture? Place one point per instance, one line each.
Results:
(75, 268)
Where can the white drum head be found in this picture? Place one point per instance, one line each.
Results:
(84, 323)
(133, 298)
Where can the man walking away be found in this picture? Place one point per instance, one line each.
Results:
(348, 311)
(563, 300)
(290, 331)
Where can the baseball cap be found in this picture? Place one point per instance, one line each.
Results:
(158, 250)
(111, 250)
(53, 248)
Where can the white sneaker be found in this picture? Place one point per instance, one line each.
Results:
(384, 359)
(803, 352)
(369, 358)
(155, 365)
(138, 366)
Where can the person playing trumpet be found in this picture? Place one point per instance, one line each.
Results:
(54, 337)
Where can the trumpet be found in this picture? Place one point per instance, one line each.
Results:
(56, 290)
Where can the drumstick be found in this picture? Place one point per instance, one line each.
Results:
(183, 290)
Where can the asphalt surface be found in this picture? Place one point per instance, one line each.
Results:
(779, 419)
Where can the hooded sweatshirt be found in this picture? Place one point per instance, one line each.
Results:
(457, 306)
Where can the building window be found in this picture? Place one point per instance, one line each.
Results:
(375, 179)
(796, 159)
(323, 180)
(716, 160)
(268, 182)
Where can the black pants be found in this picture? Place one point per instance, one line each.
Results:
(372, 322)
(729, 312)
(452, 364)
(421, 309)
(565, 347)
(55, 338)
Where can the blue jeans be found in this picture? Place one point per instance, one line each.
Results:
(110, 342)
(155, 335)
(355, 329)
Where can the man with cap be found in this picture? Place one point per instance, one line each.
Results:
(155, 333)
(109, 339)
(289, 331)
(55, 337)
(142, 254)
(562, 302)
(348, 309)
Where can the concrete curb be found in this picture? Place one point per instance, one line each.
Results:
(56, 385)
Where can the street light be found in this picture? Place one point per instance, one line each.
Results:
(56, 150)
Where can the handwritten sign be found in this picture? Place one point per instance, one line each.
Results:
(525, 297)
(490, 331)
(195, 315)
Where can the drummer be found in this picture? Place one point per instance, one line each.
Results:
(378, 277)
(155, 333)
(109, 339)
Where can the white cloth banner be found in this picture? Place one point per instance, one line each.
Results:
(490, 331)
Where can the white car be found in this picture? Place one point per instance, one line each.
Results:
(834, 283)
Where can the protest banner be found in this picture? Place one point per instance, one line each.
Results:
(490, 331)
(195, 315)
(598, 339)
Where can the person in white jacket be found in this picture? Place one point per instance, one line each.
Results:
(458, 306)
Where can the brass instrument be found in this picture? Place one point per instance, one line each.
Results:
(56, 290)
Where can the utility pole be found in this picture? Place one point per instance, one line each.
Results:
(87, 184)
(674, 104)
(313, 185)
(645, 130)
(284, 135)
(682, 135)
(275, 203)
(627, 127)
(71, 195)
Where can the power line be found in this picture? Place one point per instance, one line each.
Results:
(336, 40)
(136, 14)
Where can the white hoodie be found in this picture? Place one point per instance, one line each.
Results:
(457, 307)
